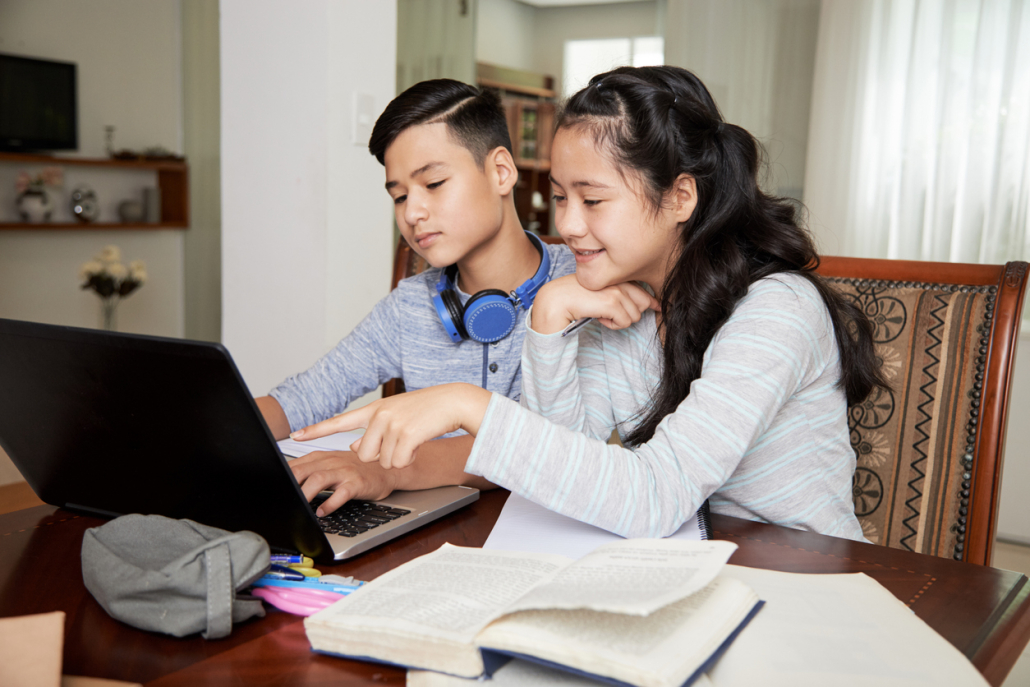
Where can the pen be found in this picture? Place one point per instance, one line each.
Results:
(306, 572)
(283, 573)
(575, 326)
(285, 559)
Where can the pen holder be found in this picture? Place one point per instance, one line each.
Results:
(173, 576)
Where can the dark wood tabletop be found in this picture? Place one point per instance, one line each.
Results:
(983, 611)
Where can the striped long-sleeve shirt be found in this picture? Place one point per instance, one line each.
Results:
(763, 433)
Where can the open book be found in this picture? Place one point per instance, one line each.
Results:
(636, 611)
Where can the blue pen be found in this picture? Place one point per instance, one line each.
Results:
(285, 559)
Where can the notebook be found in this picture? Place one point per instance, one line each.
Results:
(110, 424)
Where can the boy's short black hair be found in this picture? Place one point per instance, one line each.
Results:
(474, 117)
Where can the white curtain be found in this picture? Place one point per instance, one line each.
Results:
(919, 141)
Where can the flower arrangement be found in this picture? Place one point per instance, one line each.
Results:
(106, 276)
(48, 176)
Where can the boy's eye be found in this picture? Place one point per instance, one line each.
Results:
(557, 198)
(435, 184)
(591, 202)
(399, 199)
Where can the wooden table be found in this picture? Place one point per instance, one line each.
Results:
(984, 612)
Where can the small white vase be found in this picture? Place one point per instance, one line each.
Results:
(34, 205)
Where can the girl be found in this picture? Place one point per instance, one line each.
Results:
(724, 362)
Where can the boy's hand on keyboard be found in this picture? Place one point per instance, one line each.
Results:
(345, 474)
(396, 426)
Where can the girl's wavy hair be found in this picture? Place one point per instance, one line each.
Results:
(661, 122)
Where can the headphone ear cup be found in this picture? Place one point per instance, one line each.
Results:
(456, 312)
(489, 316)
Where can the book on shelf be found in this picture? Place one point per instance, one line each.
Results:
(635, 611)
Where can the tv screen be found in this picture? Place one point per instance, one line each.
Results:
(37, 105)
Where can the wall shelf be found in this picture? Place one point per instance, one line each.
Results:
(172, 182)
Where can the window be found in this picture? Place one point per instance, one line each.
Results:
(584, 59)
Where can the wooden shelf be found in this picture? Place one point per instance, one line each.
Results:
(172, 183)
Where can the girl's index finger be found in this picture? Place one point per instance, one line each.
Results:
(344, 422)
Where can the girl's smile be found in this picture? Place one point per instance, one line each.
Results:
(605, 218)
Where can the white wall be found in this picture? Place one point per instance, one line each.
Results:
(1014, 511)
(129, 71)
(306, 225)
(505, 34)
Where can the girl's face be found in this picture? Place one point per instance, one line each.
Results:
(606, 220)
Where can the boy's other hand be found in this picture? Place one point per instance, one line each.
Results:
(562, 301)
(396, 426)
(345, 474)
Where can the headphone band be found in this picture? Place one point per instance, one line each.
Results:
(524, 295)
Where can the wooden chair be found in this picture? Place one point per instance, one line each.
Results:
(930, 451)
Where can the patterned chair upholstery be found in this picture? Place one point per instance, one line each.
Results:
(930, 450)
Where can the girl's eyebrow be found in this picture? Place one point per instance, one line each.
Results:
(581, 184)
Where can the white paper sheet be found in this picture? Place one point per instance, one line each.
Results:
(333, 442)
(527, 526)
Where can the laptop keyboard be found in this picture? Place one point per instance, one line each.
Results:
(356, 517)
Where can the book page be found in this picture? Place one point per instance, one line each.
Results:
(450, 594)
(836, 629)
(632, 576)
(514, 673)
(527, 526)
(663, 648)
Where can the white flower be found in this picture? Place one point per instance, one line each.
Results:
(138, 275)
(90, 268)
(110, 254)
(138, 266)
(118, 270)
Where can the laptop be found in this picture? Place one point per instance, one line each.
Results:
(110, 424)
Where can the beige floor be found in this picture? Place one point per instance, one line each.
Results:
(1015, 557)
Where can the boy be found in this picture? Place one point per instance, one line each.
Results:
(449, 169)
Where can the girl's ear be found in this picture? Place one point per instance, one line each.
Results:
(501, 167)
(684, 197)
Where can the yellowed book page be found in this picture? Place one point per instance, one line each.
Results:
(662, 649)
(840, 630)
(632, 576)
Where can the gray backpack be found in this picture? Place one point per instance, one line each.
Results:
(173, 576)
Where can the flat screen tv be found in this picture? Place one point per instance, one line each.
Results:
(37, 105)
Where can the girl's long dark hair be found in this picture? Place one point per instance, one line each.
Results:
(661, 122)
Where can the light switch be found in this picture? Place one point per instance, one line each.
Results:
(362, 119)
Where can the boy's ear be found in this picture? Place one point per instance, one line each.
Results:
(684, 197)
(500, 166)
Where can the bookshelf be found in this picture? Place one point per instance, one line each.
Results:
(529, 103)
(172, 182)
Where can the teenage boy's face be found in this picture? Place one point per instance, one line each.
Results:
(445, 203)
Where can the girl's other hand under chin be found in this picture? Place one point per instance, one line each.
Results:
(564, 300)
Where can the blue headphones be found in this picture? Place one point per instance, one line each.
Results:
(489, 315)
